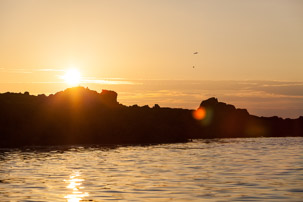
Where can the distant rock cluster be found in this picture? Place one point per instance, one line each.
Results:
(82, 116)
(224, 120)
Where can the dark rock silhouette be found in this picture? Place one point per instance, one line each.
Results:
(82, 116)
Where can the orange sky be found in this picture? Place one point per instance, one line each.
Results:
(127, 40)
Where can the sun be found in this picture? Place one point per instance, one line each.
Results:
(72, 77)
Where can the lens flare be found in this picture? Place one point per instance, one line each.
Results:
(199, 114)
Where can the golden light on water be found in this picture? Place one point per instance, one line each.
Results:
(74, 184)
(200, 113)
(72, 77)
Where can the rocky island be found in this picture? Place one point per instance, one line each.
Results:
(82, 116)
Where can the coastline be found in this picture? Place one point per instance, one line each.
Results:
(82, 116)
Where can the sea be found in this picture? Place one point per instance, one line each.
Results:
(237, 169)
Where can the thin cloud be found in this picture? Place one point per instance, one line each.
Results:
(33, 82)
(107, 82)
(259, 94)
(23, 70)
(16, 71)
(283, 85)
(50, 70)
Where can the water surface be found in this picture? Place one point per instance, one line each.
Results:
(255, 169)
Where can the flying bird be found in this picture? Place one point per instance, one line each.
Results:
(195, 53)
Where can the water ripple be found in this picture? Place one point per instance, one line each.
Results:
(255, 169)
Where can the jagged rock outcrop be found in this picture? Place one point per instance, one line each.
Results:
(226, 121)
(223, 120)
(109, 98)
(81, 116)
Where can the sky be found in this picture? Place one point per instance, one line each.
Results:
(250, 53)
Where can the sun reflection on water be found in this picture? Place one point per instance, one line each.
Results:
(74, 184)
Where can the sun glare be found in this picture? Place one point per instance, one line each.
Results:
(72, 77)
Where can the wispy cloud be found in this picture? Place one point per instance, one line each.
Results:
(16, 71)
(33, 82)
(108, 82)
(28, 70)
(258, 94)
(50, 70)
(284, 84)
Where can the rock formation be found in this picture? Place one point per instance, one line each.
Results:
(82, 116)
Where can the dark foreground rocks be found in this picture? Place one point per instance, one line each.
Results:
(82, 116)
